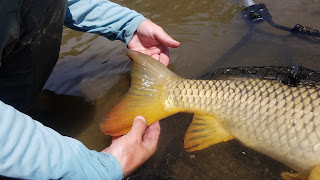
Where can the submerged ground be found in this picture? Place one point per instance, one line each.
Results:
(93, 73)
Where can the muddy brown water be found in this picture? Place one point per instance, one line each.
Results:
(92, 74)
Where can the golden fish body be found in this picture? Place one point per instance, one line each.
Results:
(278, 120)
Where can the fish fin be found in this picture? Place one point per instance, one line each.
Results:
(143, 98)
(315, 173)
(293, 176)
(204, 131)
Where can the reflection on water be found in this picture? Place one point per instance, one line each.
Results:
(92, 74)
(74, 43)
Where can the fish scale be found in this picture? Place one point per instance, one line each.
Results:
(277, 115)
(261, 121)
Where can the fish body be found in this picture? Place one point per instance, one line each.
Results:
(278, 120)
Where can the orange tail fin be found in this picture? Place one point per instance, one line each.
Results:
(145, 96)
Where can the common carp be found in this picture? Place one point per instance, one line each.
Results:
(277, 119)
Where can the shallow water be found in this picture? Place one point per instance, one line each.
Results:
(93, 73)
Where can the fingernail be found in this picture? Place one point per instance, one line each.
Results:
(141, 118)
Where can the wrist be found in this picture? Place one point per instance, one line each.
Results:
(112, 165)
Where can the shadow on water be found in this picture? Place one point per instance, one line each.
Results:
(70, 115)
(74, 116)
(92, 74)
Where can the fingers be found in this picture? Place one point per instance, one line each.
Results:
(156, 56)
(164, 57)
(149, 135)
(152, 133)
(134, 148)
(138, 127)
(151, 138)
(164, 38)
(160, 53)
(152, 40)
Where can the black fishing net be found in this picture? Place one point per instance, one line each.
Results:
(291, 76)
(226, 160)
(266, 53)
(231, 160)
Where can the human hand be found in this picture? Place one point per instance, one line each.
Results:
(151, 40)
(135, 147)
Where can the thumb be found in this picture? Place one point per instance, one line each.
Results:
(164, 38)
(138, 127)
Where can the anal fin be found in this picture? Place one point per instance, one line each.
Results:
(293, 176)
(204, 131)
(315, 173)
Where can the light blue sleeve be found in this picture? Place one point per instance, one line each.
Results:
(30, 150)
(104, 18)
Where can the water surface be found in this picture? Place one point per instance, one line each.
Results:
(92, 74)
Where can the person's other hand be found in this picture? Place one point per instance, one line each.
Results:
(135, 147)
(151, 40)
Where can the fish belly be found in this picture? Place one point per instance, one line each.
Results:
(277, 120)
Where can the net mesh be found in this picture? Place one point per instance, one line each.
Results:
(226, 160)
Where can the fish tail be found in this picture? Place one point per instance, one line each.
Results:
(145, 96)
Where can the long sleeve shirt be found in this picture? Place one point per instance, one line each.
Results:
(30, 150)
(104, 18)
(94, 16)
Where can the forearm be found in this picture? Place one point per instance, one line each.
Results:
(30, 150)
(104, 18)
